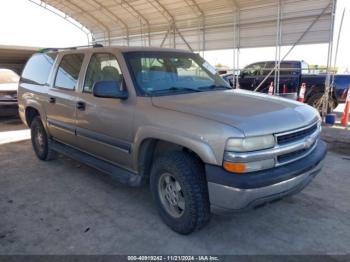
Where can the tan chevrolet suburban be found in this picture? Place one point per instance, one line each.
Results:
(165, 118)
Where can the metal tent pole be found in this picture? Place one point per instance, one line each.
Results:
(279, 44)
(295, 44)
(234, 47)
(325, 97)
(278, 49)
(337, 47)
(238, 43)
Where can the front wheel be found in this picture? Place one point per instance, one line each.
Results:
(40, 140)
(179, 190)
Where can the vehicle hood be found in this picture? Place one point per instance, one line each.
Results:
(8, 87)
(252, 113)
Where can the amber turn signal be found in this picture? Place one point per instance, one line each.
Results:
(235, 167)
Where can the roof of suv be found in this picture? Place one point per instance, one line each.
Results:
(123, 49)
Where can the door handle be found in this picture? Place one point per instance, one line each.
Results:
(52, 100)
(81, 105)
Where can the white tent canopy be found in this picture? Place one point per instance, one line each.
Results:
(200, 24)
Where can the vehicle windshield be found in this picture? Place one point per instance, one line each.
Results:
(165, 73)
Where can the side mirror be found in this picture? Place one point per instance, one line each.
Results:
(109, 89)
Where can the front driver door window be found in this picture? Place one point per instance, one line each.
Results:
(102, 67)
(104, 126)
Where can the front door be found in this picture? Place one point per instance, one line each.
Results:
(250, 76)
(61, 109)
(104, 125)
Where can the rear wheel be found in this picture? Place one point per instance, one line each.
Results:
(179, 190)
(40, 140)
(316, 102)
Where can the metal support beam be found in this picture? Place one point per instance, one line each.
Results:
(165, 13)
(163, 10)
(278, 48)
(142, 17)
(203, 35)
(337, 47)
(165, 37)
(115, 18)
(295, 44)
(183, 39)
(327, 89)
(196, 9)
(236, 18)
(94, 18)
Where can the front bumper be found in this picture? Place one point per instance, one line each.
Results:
(235, 192)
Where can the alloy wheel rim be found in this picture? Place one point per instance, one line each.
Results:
(171, 195)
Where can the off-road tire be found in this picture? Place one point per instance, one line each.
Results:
(42, 149)
(189, 172)
(315, 101)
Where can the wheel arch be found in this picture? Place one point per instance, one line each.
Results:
(30, 111)
(150, 144)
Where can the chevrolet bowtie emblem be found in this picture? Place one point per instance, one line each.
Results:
(308, 142)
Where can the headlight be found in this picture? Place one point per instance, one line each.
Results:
(250, 143)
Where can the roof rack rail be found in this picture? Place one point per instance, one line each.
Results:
(56, 49)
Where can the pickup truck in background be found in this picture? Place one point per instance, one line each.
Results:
(292, 75)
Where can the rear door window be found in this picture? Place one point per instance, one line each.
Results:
(38, 68)
(289, 68)
(269, 66)
(68, 71)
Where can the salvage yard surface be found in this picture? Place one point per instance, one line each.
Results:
(64, 207)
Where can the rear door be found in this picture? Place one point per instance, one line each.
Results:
(267, 67)
(61, 109)
(104, 125)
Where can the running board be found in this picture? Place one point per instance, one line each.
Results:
(120, 174)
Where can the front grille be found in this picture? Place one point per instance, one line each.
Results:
(8, 96)
(298, 135)
(291, 156)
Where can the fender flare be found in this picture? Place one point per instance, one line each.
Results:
(37, 106)
(197, 145)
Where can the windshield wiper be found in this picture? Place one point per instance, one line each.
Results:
(175, 88)
(213, 87)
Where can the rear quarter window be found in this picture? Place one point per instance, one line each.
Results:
(38, 68)
(290, 68)
(68, 71)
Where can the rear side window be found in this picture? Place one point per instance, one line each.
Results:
(289, 68)
(268, 67)
(68, 71)
(38, 68)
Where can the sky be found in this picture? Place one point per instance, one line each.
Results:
(26, 24)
